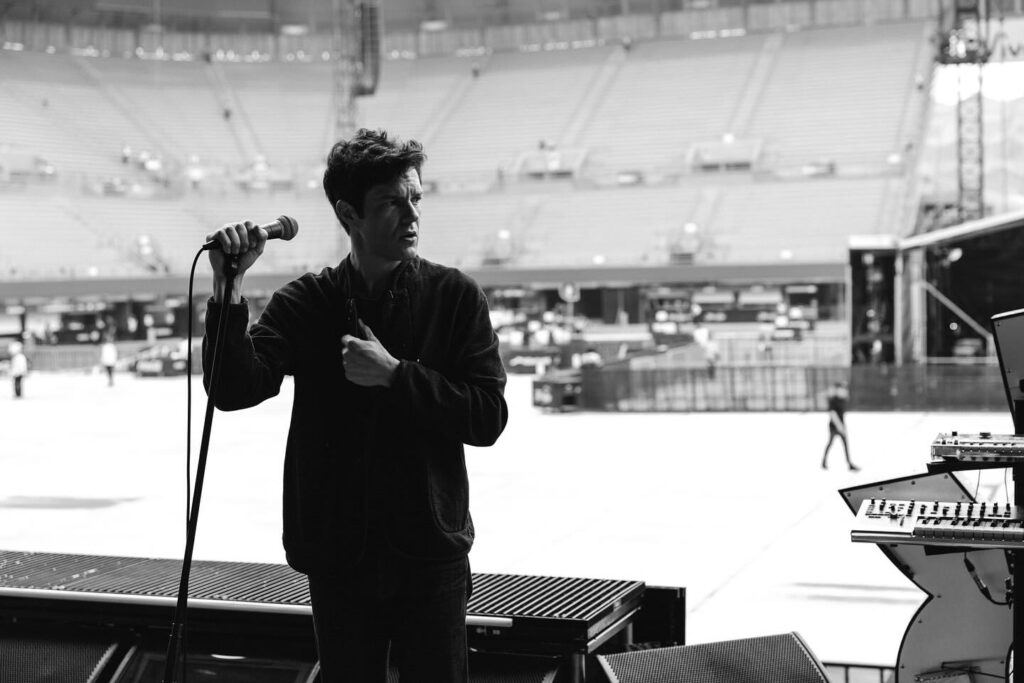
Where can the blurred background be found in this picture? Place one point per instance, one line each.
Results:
(666, 183)
(673, 206)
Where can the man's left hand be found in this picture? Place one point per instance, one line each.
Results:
(366, 361)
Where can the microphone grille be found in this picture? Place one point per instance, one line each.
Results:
(289, 227)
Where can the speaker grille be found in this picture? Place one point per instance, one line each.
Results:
(238, 581)
(493, 594)
(546, 596)
(505, 668)
(36, 660)
(495, 668)
(770, 659)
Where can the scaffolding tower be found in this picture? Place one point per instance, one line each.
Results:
(345, 68)
(963, 42)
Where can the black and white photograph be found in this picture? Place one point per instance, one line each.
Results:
(483, 341)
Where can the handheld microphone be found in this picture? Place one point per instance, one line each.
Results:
(284, 228)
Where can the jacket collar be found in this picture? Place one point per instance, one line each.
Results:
(352, 284)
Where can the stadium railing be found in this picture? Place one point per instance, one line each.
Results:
(791, 388)
(859, 673)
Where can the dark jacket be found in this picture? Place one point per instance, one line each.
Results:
(404, 443)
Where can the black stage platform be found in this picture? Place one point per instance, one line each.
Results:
(235, 602)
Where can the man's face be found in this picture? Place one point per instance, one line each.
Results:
(389, 228)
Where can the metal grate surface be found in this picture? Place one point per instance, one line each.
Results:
(546, 596)
(494, 595)
(226, 581)
(771, 659)
(24, 659)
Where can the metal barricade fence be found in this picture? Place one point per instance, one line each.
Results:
(741, 388)
(859, 673)
(927, 387)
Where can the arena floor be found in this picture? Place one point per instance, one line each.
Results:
(734, 507)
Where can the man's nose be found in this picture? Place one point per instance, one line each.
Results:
(412, 212)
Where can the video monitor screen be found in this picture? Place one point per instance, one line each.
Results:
(1008, 329)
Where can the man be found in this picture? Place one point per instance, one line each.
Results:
(396, 366)
(108, 359)
(837, 399)
(19, 367)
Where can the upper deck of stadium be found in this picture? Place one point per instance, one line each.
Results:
(717, 147)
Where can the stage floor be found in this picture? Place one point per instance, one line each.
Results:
(735, 507)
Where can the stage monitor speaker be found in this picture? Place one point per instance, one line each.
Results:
(148, 667)
(768, 659)
(489, 667)
(661, 621)
(40, 652)
(67, 657)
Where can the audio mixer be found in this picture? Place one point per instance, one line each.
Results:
(981, 448)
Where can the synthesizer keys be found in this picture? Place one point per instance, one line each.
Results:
(938, 523)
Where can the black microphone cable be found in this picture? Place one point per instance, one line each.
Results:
(188, 401)
(188, 437)
(284, 228)
(982, 587)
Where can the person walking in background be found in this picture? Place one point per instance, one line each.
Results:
(838, 398)
(108, 359)
(711, 354)
(19, 367)
(396, 367)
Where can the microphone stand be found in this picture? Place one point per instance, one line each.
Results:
(180, 610)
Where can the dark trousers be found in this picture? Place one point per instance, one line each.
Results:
(832, 434)
(414, 611)
(17, 386)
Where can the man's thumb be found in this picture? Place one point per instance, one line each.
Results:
(367, 332)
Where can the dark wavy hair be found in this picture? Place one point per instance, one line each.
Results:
(369, 158)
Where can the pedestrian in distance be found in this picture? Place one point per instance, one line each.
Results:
(108, 359)
(396, 367)
(19, 367)
(838, 398)
(711, 355)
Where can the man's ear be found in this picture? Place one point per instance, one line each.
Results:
(345, 213)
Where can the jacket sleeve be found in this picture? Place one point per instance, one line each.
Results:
(254, 361)
(467, 404)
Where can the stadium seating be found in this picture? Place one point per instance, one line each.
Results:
(52, 108)
(53, 239)
(458, 230)
(799, 221)
(176, 104)
(414, 95)
(177, 229)
(287, 107)
(842, 94)
(609, 227)
(518, 100)
(839, 94)
(667, 95)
